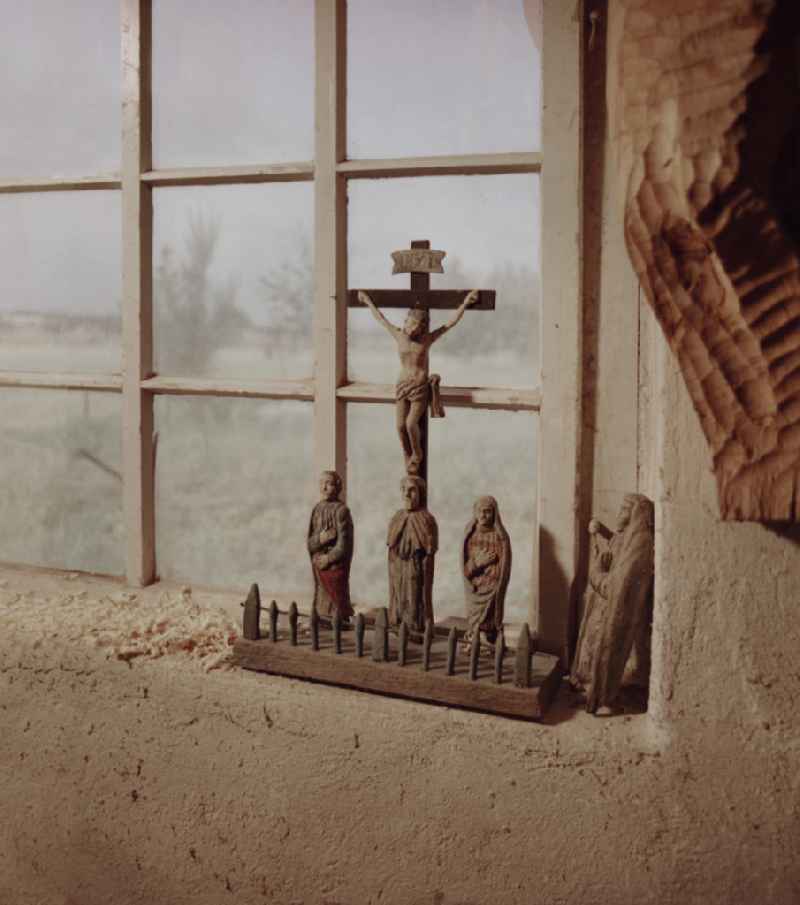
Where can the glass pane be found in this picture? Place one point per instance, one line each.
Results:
(232, 83)
(60, 260)
(60, 89)
(489, 227)
(61, 493)
(234, 491)
(233, 280)
(472, 453)
(452, 77)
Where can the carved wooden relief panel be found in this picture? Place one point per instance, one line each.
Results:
(707, 114)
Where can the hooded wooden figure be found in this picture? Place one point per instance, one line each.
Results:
(614, 641)
(412, 539)
(330, 546)
(486, 568)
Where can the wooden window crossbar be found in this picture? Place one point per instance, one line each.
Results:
(459, 165)
(74, 184)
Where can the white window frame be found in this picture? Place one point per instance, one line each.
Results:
(330, 393)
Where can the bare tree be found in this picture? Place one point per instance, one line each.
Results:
(194, 315)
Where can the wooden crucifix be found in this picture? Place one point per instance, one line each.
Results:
(417, 389)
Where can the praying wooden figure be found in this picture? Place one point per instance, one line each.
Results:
(330, 546)
(416, 387)
(413, 540)
(486, 569)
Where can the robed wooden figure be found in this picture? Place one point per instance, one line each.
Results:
(330, 546)
(412, 541)
(486, 569)
(614, 641)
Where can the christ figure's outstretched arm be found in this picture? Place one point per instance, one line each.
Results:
(378, 314)
(469, 299)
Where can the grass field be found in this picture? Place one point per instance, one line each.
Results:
(235, 485)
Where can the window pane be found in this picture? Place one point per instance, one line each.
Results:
(233, 82)
(60, 90)
(452, 77)
(472, 453)
(234, 492)
(60, 258)
(233, 281)
(61, 493)
(489, 227)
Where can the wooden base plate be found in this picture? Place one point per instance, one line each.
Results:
(280, 657)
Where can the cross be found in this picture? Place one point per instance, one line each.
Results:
(420, 261)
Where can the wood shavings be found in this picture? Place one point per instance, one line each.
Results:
(179, 626)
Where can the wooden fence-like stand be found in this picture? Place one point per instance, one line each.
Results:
(433, 668)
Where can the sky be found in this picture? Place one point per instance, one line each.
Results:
(233, 84)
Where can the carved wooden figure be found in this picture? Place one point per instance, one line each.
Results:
(330, 546)
(614, 639)
(412, 541)
(486, 569)
(416, 388)
(707, 136)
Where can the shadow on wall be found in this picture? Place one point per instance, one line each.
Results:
(790, 532)
(555, 590)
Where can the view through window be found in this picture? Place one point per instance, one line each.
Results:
(439, 138)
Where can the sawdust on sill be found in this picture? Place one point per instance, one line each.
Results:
(180, 626)
(129, 625)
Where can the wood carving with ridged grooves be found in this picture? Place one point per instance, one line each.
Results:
(708, 129)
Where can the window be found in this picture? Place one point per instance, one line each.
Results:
(271, 158)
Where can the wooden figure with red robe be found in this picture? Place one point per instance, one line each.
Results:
(330, 546)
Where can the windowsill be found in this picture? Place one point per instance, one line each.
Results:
(87, 625)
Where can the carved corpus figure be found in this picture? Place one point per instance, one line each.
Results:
(330, 546)
(413, 539)
(486, 568)
(614, 640)
(416, 387)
